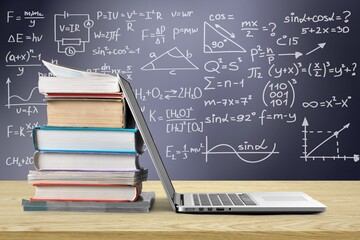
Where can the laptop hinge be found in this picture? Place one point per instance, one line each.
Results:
(179, 199)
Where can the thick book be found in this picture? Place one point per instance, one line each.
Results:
(141, 205)
(84, 112)
(82, 139)
(86, 161)
(109, 177)
(86, 192)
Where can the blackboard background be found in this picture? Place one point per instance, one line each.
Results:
(286, 164)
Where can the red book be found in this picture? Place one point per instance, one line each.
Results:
(84, 95)
(86, 192)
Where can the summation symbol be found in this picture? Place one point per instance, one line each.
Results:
(258, 152)
(334, 136)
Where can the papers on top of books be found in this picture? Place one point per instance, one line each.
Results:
(68, 80)
(142, 205)
(62, 71)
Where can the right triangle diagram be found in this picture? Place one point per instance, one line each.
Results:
(218, 40)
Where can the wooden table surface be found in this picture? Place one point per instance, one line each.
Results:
(340, 221)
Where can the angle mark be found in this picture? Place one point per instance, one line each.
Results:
(224, 44)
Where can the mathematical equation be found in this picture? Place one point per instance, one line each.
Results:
(196, 72)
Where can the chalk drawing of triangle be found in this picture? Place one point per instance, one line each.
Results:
(170, 60)
(223, 43)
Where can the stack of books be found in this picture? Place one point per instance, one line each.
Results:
(87, 156)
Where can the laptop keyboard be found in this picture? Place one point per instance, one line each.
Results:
(222, 199)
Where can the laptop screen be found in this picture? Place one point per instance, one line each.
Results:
(149, 141)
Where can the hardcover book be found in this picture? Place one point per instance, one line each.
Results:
(86, 192)
(109, 177)
(142, 205)
(86, 161)
(77, 139)
(86, 112)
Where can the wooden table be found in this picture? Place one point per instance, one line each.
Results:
(340, 221)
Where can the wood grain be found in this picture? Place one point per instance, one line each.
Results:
(340, 221)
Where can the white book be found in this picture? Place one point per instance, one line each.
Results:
(126, 177)
(108, 84)
(86, 192)
(87, 139)
(90, 161)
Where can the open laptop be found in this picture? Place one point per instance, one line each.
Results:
(237, 202)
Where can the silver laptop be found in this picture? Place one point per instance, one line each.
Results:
(236, 202)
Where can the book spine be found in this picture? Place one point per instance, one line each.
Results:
(139, 142)
(35, 138)
(36, 160)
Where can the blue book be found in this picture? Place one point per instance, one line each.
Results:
(87, 139)
(143, 204)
